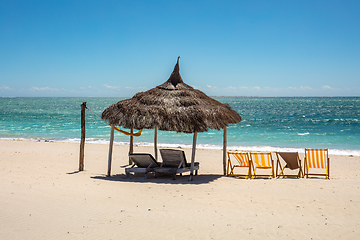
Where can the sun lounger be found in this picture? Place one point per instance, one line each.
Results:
(262, 160)
(292, 162)
(142, 163)
(317, 163)
(238, 160)
(174, 162)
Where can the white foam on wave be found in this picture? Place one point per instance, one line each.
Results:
(303, 134)
(342, 152)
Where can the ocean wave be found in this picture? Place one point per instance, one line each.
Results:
(342, 152)
(303, 134)
(269, 124)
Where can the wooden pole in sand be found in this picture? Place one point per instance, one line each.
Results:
(155, 144)
(193, 156)
(82, 141)
(110, 149)
(131, 148)
(224, 149)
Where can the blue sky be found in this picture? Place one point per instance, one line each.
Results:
(227, 48)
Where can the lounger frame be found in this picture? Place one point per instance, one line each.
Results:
(316, 160)
(174, 162)
(240, 160)
(262, 160)
(287, 157)
(142, 163)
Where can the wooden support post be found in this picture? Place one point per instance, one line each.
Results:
(131, 148)
(224, 149)
(155, 144)
(110, 149)
(82, 141)
(193, 156)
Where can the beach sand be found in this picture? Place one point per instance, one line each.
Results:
(42, 196)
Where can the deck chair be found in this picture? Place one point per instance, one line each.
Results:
(292, 162)
(174, 162)
(142, 163)
(317, 163)
(262, 160)
(238, 160)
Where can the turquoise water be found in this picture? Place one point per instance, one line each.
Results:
(268, 123)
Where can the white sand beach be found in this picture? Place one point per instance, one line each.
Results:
(42, 196)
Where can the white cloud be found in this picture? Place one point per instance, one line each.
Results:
(232, 88)
(302, 88)
(306, 88)
(88, 87)
(327, 87)
(243, 88)
(246, 90)
(112, 87)
(44, 89)
(5, 88)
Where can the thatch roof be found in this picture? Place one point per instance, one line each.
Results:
(171, 106)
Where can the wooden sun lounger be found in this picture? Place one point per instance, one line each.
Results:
(174, 162)
(143, 163)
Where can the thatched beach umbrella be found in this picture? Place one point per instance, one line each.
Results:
(172, 106)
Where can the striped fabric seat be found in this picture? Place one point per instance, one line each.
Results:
(238, 160)
(262, 160)
(315, 161)
(292, 164)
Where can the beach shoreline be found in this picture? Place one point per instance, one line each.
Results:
(341, 152)
(44, 196)
(269, 124)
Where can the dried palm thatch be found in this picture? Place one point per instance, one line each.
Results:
(171, 106)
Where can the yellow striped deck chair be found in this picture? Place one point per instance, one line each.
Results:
(238, 160)
(317, 163)
(262, 160)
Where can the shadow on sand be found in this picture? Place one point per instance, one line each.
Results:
(70, 173)
(199, 179)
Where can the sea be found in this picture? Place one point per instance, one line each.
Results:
(269, 124)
